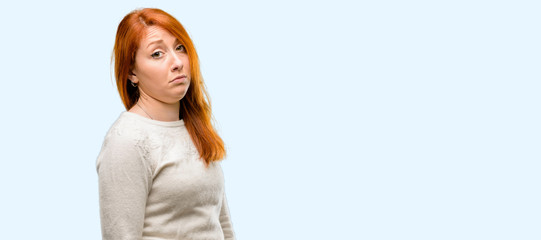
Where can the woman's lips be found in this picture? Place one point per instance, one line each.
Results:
(179, 79)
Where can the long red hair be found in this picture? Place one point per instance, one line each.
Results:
(195, 107)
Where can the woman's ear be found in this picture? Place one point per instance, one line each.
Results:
(133, 77)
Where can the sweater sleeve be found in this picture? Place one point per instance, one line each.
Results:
(225, 220)
(124, 183)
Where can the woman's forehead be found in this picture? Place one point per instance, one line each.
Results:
(154, 34)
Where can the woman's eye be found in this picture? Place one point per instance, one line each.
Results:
(181, 48)
(156, 54)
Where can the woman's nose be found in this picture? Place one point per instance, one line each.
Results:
(177, 63)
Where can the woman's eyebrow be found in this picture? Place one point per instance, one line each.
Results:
(155, 42)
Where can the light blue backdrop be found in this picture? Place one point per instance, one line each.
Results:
(343, 119)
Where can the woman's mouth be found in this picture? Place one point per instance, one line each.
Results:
(179, 79)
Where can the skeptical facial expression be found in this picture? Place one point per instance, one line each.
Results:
(162, 68)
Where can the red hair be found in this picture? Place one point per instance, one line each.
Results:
(195, 107)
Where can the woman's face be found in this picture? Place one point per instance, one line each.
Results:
(162, 68)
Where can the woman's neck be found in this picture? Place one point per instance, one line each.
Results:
(157, 110)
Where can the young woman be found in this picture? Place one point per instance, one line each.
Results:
(159, 171)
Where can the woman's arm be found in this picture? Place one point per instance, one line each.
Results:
(125, 179)
(225, 220)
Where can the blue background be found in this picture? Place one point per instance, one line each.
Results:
(342, 119)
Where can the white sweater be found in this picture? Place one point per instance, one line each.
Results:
(153, 185)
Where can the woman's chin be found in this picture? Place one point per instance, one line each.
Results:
(176, 97)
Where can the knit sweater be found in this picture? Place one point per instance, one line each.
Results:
(153, 184)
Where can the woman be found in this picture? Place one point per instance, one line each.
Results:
(158, 169)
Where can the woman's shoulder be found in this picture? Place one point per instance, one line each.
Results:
(125, 144)
(126, 129)
(121, 143)
(131, 129)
